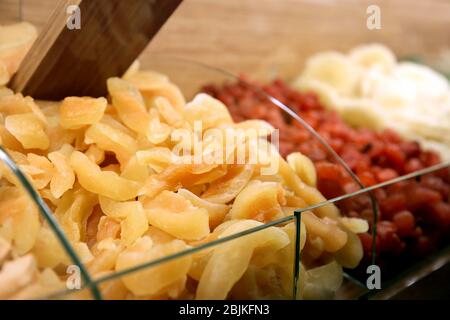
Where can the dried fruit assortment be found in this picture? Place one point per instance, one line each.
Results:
(109, 171)
(369, 88)
(414, 215)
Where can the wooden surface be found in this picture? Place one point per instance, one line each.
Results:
(273, 37)
(113, 33)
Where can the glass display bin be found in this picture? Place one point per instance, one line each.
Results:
(406, 232)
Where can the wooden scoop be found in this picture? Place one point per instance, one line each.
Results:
(76, 62)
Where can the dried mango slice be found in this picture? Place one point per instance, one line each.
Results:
(105, 183)
(28, 129)
(157, 279)
(177, 216)
(76, 112)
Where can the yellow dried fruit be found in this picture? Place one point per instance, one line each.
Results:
(76, 112)
(28, 129)
(259, 201)
(157, 279)
(177, 216)
(105, 183)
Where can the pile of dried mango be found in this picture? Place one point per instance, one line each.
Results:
(112, 173)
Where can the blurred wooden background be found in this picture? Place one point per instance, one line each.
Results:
(273, 37)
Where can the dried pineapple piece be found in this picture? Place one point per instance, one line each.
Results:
(76, 112)
(108, 228)
(157, 279)
(48, 251)
(153, 85)
(351, 253)
(310, 194)
(8, 140)
(112, 139)
(133, 170)
(177, 176)
(129, 104)
(216, 211)
(177, 216)
(355, 225)
(105, 253)
(39, 169)
(304, 168)
(211, 112)
(158, 131)
(133, 226)
(157, 158)
(225, 189)
(322, 282)
(327, 229)
(259, 201)
(95, 154)
(230, 260)
(105, 183)
(169, 114)
(63, 177)
(16, 274)
(113, 289)
(28, 129)
(22, 211)
(117, 209)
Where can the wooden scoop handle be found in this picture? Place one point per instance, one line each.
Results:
(77, 62)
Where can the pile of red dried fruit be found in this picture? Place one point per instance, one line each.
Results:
(414, 215)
